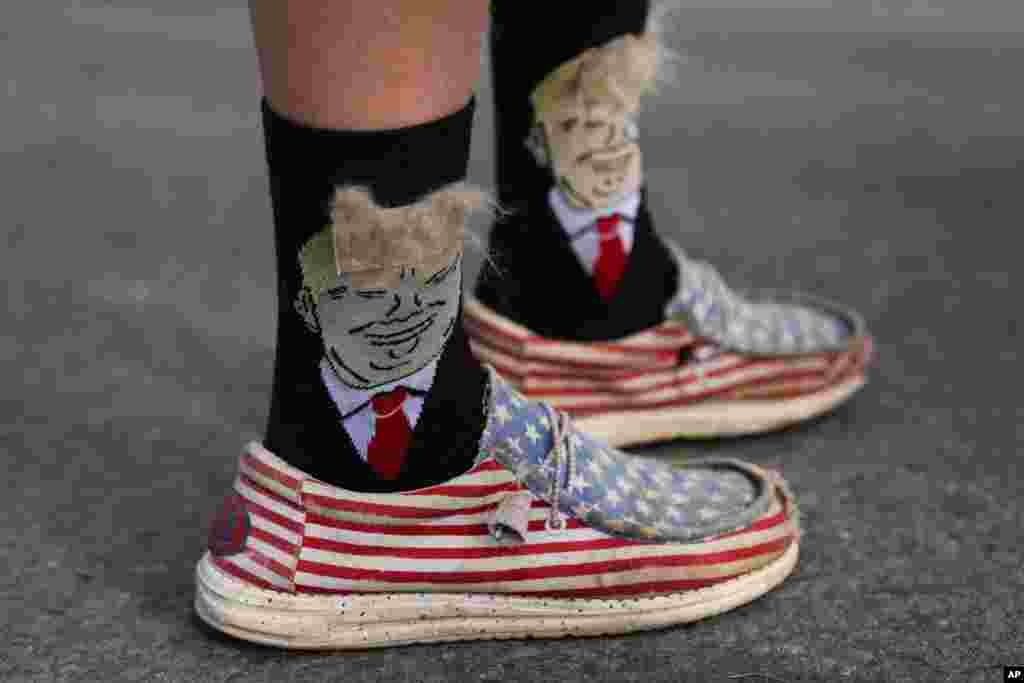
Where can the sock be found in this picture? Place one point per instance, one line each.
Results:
(398, 168)
(566, 305)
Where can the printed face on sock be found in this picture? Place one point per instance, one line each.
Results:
(378, 334)
(594, 155)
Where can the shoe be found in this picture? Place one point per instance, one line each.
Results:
(549, 534)
(590, 309)
(718, 364)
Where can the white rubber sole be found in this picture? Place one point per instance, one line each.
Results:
(715, 418)
(317, 622)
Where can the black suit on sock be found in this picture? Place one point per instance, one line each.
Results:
(541, 283)
(308, 427)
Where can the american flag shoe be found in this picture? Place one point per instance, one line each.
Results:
(720, 364)
(550, 533)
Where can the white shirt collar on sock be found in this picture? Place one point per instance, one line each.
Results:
(359, 419)
(576, 221)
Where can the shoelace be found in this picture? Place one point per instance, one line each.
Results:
(562, 451)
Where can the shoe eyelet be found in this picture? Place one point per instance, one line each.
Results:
(557, 523)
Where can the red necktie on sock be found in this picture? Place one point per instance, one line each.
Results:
(391, 434)
(611, 259)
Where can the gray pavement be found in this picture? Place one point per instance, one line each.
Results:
(870, 150)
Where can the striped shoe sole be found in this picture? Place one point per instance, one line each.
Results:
(723, 418)
(374, 620)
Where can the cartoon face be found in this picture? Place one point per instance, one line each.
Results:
(373, 335)
(593, 154)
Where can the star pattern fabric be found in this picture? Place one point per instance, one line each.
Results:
(613, 491)
(776, 324)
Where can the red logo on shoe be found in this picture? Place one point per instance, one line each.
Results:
(230, 528)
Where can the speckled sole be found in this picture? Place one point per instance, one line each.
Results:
(715, 418)
(320, 622)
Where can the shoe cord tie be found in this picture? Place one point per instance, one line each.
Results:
(563, 453)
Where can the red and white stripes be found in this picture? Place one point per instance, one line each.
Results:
(644, 371)
(272, 492)
(309, 537)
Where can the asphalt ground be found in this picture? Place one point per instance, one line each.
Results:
(868, 150)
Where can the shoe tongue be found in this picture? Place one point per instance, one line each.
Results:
(518, 428)
(776, 323)
(615, 492)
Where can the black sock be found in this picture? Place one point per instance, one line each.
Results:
(398, 167)
(528, 240)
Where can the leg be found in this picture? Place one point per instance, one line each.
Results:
(368, 65)
(524, 184)
(570, 165)
(316, 546)
(342, 110)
